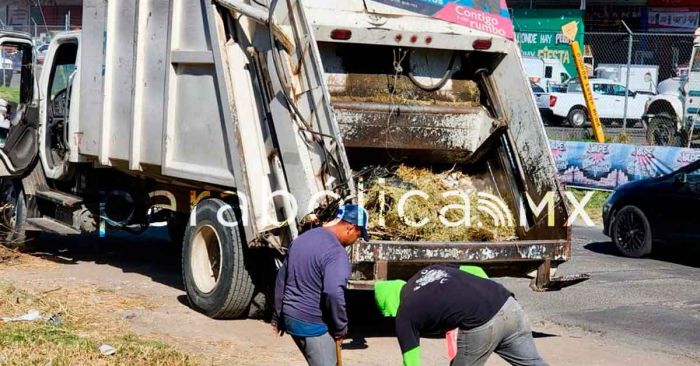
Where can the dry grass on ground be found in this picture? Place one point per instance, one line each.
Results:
(89, 318)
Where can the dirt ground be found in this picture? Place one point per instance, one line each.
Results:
(148, 268)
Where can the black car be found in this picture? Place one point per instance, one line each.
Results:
(665, 208)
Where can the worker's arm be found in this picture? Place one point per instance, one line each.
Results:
(280, 284)
(335, 279)
(409, 339)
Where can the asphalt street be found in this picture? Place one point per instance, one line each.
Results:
(653, 303)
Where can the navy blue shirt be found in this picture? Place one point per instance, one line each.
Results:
(311, 283)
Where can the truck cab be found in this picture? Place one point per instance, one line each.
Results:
(674, 114)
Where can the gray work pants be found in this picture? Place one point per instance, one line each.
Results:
(318, 351)
(508, 334)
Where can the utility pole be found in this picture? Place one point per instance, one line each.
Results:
(627, 79)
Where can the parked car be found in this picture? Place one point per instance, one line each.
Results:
(609, 97)
(542, 101)
(664, 208)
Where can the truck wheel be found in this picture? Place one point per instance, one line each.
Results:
(215, 276)
(13, 214)
(662, 131)
(631, 232)
(577, 117)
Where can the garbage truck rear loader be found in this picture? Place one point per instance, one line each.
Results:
(242, 123)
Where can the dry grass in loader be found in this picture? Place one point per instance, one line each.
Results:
(385, 189)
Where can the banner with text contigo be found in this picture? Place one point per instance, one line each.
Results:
(489, 16)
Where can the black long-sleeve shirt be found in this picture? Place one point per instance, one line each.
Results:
(440, 298)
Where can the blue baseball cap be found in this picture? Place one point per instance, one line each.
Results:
(356, 215)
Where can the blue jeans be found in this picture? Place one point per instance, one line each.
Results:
(508, 334)
(318, 351)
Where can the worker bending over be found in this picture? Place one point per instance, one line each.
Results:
(442, 298)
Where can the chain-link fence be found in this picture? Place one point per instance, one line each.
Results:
(639, 61)
(40, 33)
(629, 67)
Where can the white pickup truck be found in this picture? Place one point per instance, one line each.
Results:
(609, 97)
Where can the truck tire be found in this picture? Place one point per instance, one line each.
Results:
(631, 232)
(577, 117)
(215, 276)
(13, 214)
(662, 131)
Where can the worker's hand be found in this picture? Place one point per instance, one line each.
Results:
(277, 330)
(341, 334)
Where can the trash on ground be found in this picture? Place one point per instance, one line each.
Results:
(55, 320)
(107, 350)
(384, 188)
(30, 316)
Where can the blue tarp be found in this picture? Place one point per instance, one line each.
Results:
(606, 166)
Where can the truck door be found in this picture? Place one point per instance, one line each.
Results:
(18, 136)
(604, 100)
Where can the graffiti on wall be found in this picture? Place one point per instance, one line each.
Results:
(607, 166)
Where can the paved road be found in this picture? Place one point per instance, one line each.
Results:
(652, 302)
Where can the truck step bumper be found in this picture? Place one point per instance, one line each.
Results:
(463, 252)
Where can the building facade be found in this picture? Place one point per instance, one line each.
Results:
(41, 16)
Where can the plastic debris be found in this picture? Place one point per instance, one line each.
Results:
(32, 315)
(107, 350)
(55, 319)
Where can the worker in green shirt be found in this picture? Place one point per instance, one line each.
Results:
(441, 298)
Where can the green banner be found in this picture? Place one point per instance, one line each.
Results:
(538, 32)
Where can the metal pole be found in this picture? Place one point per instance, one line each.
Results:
(36, 29)
(627, 79)
(67, 26)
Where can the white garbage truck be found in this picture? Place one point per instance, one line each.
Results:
(673, 116)
(241, 123)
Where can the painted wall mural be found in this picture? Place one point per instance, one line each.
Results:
(607, 166)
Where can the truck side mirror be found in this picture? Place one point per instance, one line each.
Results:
(16, 62)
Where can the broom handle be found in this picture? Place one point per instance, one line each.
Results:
(338, 356)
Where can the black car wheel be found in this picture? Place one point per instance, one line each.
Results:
(631, 232)
(577, 117)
